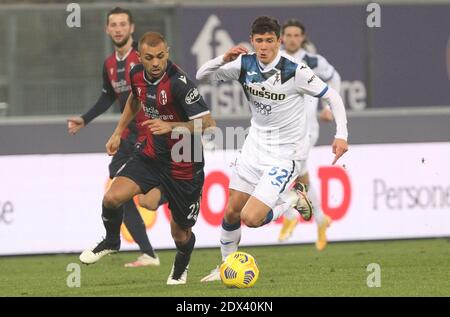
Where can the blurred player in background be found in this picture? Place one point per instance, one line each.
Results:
(163, 101)
(275, 150)
(296, 45)
(116, 85)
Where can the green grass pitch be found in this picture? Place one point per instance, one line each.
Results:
(408, 268)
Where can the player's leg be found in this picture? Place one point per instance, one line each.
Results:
(152, 200)
(230, 233)
(289, 223)
(136, 226)
(121, 190)
(184, 240)
(323, 221)
(184, 198)
(242, 183)
(290, 220)
(273, 196)
(131, 215)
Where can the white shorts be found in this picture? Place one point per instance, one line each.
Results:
(269, 180)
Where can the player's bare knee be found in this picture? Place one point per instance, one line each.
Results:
(147, 202)
(251, 220)
(179, 235)
(110, 200)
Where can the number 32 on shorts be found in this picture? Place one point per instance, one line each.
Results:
(279, 175)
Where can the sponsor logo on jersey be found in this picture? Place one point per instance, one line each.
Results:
(120, 86)
(192, 96)
(163, 97)
(263, 93)
(252, 73)
(153, 113)
(121, 70)
(262, 108)
(150, 96)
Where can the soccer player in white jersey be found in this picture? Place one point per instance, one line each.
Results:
(294, 41)
(275, 150)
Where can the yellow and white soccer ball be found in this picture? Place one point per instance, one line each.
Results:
(239, 270)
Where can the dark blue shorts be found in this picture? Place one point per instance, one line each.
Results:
(125, 151)
(184, 196)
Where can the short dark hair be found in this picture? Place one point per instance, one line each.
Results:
(293, 22)
(119, 10)
(265, 24)
(152, 39)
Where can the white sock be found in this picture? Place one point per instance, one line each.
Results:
(230, 235)
(317, 207)
(286, 209)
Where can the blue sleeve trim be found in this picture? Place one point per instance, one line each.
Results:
(322, 92)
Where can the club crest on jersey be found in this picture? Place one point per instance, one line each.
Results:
(192, 96)
(163, 97)
(277, 78)
(132, 65)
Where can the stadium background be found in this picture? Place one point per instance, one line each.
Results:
(396, 82)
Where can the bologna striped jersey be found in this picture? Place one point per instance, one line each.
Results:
(116, 83)
(175, 98)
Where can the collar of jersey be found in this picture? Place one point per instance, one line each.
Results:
(125, 56)
(268, 67)
(156, 82)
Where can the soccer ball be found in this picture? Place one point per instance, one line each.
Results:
(239, 270)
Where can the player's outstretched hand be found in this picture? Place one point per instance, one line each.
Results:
(158, 126)
(234, 53)
(113, 144)
(340, 146)
(74, 124)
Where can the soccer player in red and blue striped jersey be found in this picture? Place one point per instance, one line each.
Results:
(167, 106)
(116, 86)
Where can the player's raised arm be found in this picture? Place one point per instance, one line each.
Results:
(224, 67)
(104, 102)
(309, 83)
(129, 112)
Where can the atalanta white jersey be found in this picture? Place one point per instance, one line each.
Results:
(275, 94)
